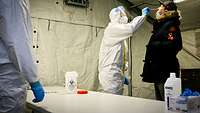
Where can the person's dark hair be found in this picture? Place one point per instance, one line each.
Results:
(169, 5)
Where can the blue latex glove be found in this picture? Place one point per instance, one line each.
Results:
(187, 92)
(38, 91)
(196, 93)
(145, 11)
(126, 81)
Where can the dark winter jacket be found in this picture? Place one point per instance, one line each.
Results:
(161, 51)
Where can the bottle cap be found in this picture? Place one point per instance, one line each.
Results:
(82, 92)
(172, 75)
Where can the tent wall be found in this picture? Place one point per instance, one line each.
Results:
(140, 39)
(67, 38)
(190, 56)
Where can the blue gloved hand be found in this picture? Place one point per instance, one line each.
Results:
(145, 11)
(38, 91)
(126, 81)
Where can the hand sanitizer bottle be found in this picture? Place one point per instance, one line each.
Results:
(172, 89)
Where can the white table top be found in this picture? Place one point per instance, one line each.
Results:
(58, 101)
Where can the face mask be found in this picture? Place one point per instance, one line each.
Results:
(123, 20)
(160, 13)
(159, 16)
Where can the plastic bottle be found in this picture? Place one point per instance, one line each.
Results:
(71, 82)
(172, 89)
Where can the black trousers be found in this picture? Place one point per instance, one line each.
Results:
(159, 91)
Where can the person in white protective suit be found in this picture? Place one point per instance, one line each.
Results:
(110, 55)
(16, 61)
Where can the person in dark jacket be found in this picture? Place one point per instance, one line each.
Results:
(164, 45)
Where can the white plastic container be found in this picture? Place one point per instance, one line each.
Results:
(172, 89)
(71, 82)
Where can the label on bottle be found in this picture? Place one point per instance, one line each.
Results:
(71, 82)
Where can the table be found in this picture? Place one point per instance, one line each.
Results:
(58, 101)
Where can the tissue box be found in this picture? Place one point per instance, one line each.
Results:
(184, 104)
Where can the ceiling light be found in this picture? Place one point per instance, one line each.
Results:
(179, 1)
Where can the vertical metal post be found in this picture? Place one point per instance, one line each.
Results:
(130, 93)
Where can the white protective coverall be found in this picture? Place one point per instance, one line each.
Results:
(110, 56)
(16, 61)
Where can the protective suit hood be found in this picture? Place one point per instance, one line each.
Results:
(118, 15)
